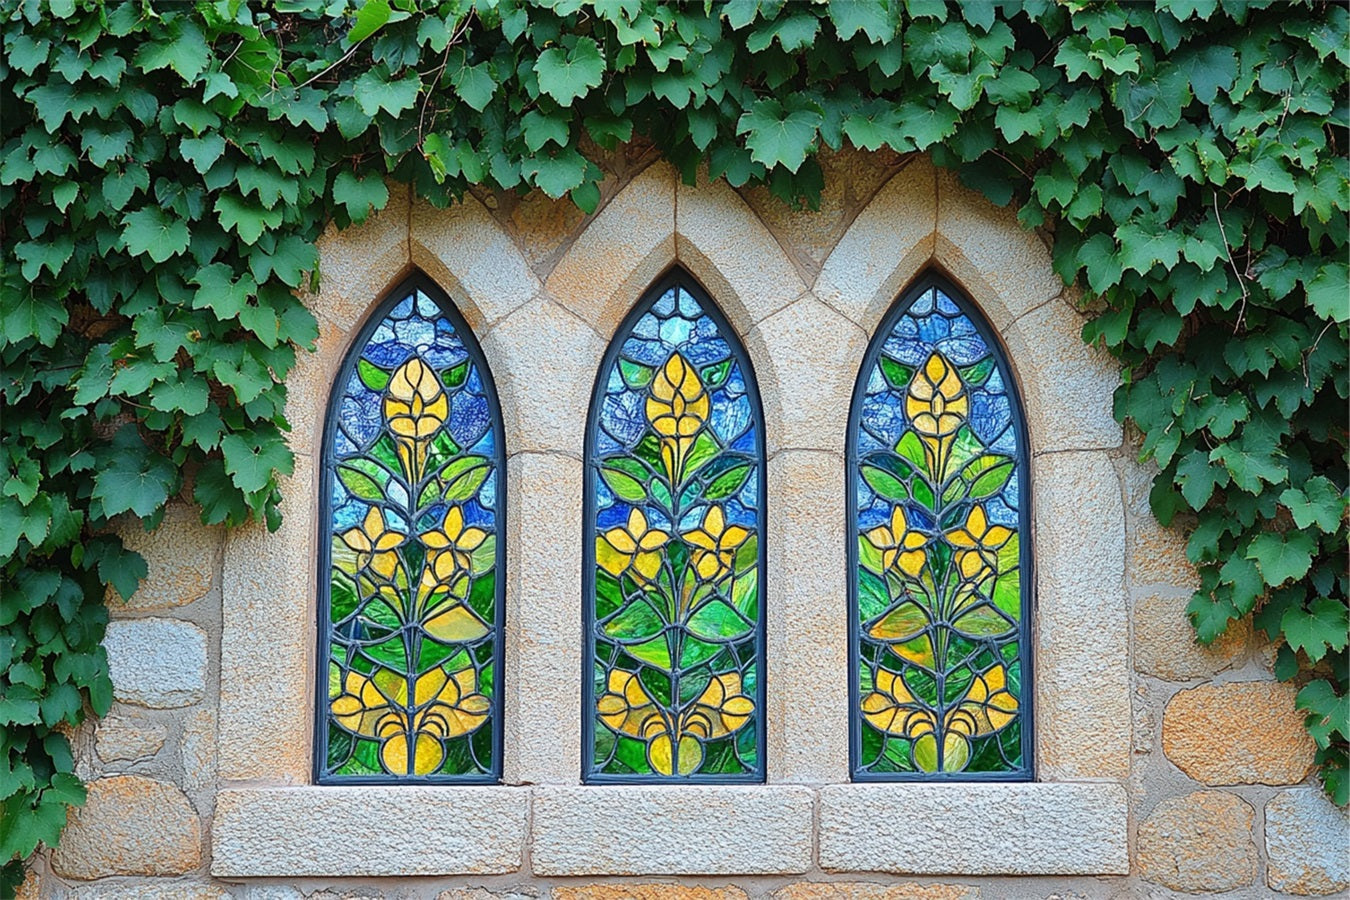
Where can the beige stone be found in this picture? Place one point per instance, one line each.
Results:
(543, 620)
(1066, 386)
(197, 750)
(645, 892)
(159, 663)
(309, 386)
(181, 556)
(159, 889)
(622, 251)
(671, 830)
(267, 641)
(1082, 627)
(806, 385)
(128, 736)
(472, 258)
(309, 831)
(944, 829)
(544, 361)
(129, 825)
(1199, 842)
(722, 242)
(524, 892)
(545, 226)
(806, 610)
(1307, 843)
(1238, 733)
(856, 890)
(1165, 645)
(360, 264)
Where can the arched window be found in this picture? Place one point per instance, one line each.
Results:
(410, 587)
(940, 555)
(674, 517)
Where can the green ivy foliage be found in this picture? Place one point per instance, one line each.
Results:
(165, 169)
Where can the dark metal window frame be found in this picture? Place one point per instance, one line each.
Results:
(921, 285)
(679, 277)
(418, 281)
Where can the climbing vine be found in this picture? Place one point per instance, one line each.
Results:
(165, 169)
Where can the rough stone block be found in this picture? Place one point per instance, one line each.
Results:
(1307, 843)
(1082, 665)
(197, 750)
(856, 890)
(1199, 842)
(358, 264)
(181, 556)
(129, 825)
(127, 736)
(1238, 733)
(944, 829)
(645, 892)
(404, 831)
(159, 889)
(1165, 645)
(159, 663)
(675, 830)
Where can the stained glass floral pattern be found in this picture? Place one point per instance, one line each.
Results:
(936, 462)
(675, 480)
(411, 623)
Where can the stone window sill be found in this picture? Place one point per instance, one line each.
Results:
(971, 829)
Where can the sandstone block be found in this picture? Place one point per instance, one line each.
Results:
(197, 750)
(854, 890)
(1238, 733)
(1307, 843)
(358, 264)
(1165, 645)
(645, 892)
(675, 830)
(160, 889)
(159, 663)
(524, 892)
(1199, 842)
(944, 829)
(308, 831)
(181, 555)
(129, 826)
(127, 736)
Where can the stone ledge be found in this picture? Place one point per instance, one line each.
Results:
(975, 829)
(368, 831)
(676, 830)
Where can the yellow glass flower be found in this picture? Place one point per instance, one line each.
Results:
(443, 706)
(450, 547)
(415, 404)
(721, 710)
(677, 408)
(978, 543)
(717, 543)
(634, 548)
(374, 543)
(901, 547)
(937, 406)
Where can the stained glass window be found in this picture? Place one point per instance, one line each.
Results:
(940, 596)
(410, 616)
(675, 514)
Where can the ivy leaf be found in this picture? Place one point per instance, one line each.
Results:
(1328, 712)
(873, 19)
(245, 219)
(1329, 292)
(475, 85)
(1208, 68)
(373, 93)
(134, 478)
(202, 151)
(187, 53)
(557, 174)
(188, 395)
(781, 133)
(370, 18)
(27, 314)
(1323, 625)
(251, 463)
(1317, 502)
(565, 76)
(152, 232)
(1282, 557)
(1209, 616)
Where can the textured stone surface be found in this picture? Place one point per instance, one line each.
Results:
(1307, 843)
(860, 890)
(624, 248)
(544, 361)
(645, 892)
(181, 556)
(293, 832)
(1082, 675)
(1165, 646)
(1238, 733)
(267, 639)
(884, 248)
(803, 380)
(543, 226)
(944, 829)
(1066, 385)
(159, 663)
(358, 265)
(719, 237)
(128, 736)
(676, 830)
(543, 620)
(525, 892)
(159, 889)
(465, 251)
(1199, 842)
(1157, 554)
(197, 750)
(309, 385)
(806, 619)
(129, 826)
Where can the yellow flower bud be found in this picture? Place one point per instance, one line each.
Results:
(415, 404)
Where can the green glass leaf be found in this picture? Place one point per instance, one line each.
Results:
(635, 375)
(624, 486)
(885, 484)
(897, 374)
(372, 376)
(365, 478)
(714, 375)
(456, 375)
(463, 477)
(728, 483)
(715, 621)
(983, 622)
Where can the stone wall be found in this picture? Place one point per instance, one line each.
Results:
(1165, 768)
